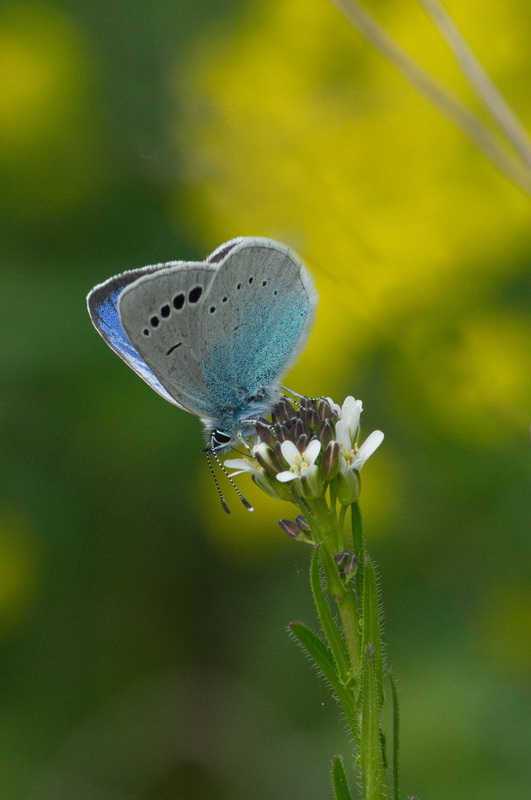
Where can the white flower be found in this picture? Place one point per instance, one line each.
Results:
(241, 465)
(301, 465)
(257, 471)
(350, 415)
(371, 443)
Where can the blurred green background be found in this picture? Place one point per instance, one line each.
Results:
(144, 653)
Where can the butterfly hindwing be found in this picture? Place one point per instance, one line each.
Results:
(161, 314)
(264, 304)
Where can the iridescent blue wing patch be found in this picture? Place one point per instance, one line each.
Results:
(102, 304)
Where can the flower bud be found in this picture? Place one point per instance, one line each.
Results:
(281, 432)
(265, 432)
(279, 459)
(312, 419)
(265, 456)
(289, 527)
(271, 486)
(323, 408)
(348, 486)
(302, 522)
(350, 567)
(284, 411)
(342, 559)
(302, 443)
(299, 429)
(330, 462)
(311, 484)
(327, 433)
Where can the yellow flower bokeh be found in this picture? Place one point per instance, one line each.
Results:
(302, 132)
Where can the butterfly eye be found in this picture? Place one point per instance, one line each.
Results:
(220, 439)
(154, 322)
(165, 311)
(178, 301)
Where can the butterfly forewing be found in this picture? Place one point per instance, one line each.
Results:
(102, 304)
(161, 314)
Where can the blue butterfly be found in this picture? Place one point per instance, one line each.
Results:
(212, 337)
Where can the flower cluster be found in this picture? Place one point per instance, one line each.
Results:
(308, 449)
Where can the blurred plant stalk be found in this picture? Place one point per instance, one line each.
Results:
(508, 146)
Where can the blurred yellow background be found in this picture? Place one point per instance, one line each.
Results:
(142, 631)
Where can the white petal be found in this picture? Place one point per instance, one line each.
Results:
(284, 477)
(343, 434)
(351, 413)
(371, 443)
(290, 452)
(349, 403)
(238, 463)
(313, 450)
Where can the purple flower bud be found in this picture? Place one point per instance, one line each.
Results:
(281, 432)
(279, 459)
(312, 420)
(323, 408)
(302, 522)
(330, 462)
(266, 459)
(265, 432)
(291, 528)
(299, 429)
(302, 443)
(327, 433)
(284, 410)
(342, 559)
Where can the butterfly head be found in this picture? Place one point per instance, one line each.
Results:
(220, 441)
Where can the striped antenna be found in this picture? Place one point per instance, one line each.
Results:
(210, 451)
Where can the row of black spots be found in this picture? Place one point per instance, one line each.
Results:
(224, 299)
(178, 303)
(251, 279)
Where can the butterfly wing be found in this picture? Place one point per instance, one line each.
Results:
(260, 308)
(102, 304)
(161, 314)
(215, 333)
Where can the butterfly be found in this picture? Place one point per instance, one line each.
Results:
(212, 337)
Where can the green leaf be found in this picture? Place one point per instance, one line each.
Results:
(396, 737)
(339, 780)
(331, 631)
(373, 779)
(371, 628)
(322, 657)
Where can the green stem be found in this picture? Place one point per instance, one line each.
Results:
(329, 534)
(358, 545)
(325, 524)
(341, 528)
(351, 632)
